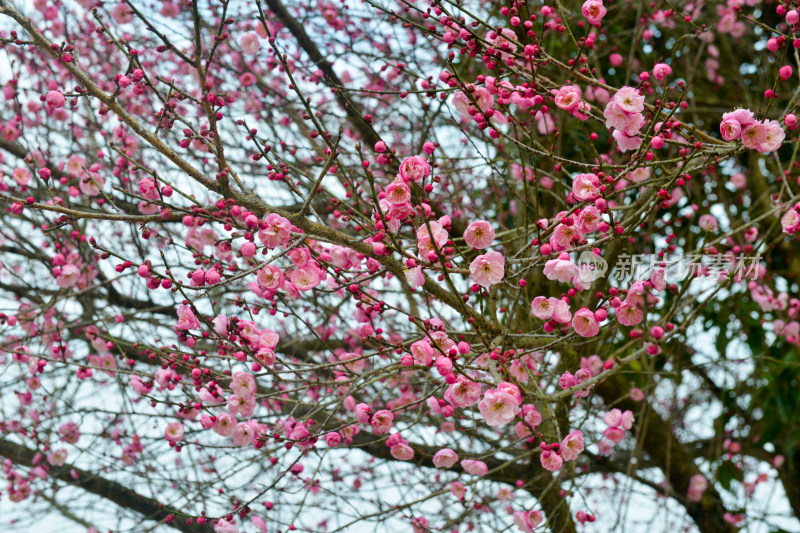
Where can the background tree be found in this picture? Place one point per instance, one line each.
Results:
(399, 266)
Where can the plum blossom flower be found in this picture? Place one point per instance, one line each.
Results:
(585, 323)
(445, 458)
(464, 393)
(277, 232)
(382, 421)
(250, 43)
(414, 168)
(661, 71)
(398, 192)
(629, 314)
(571, 446)
(186, 319)
(567, 97)
(498, 408)
(487, 269)
(561, 269)
(479, 235)
(69, 276)
(402, 452)
(223, 526)
(730, 129)
(174, 432)
(551, 460)
(629, 100)
(585, 186)
(594, 11)
(474, 467)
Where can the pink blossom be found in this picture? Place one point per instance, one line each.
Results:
(561, 269)
(498, 408)
(223, 526)
(398, 192)
(382, 421)
(585, 186)
(551, 460)
(402, 452)
(186, 319)
(594, 11)
(487, 269)
(754, 135)
(661, 71)
(277, 231)
(629, 314)
(626, 142)
(474, 467)
(629, 100)
(243, 434)
(270, 277)
(571, 446)
(445, 458)
(69, 276)
(464, 393)
(707, 223)
(568, 97)
(479, 235)
(174, 432)
(585, 323)
(730, 129)
(55, 99)
(414, 168)
(250, 43)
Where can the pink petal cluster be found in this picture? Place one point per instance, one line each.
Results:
(766, 136)
(624, 114)
(618, 423)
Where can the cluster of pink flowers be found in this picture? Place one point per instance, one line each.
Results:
(765, 136)
(624, 114)
(567, 380)
(554, 455)
(697, 486)
(618, 423)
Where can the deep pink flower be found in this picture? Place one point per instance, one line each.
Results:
(594, 11)
(551, 460)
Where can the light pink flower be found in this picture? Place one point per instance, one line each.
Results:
(773, 137)
(479, 235)
(707, 223)
(250, 43)
(382, 421)
(568, 97)
(464, 393)
(474, 467)
(186, 319)
(243, 434)
(571, 446)
(445, 458)
(174, 432)
(754, 135)
(730, 129)
(561, 269)
(270, 277)
(661, 71)
(277, 232)
(584, 323)
(398, 192)
(223, 526)
(629, 100)
(626, 142)
(585, 186)
(487, 269)
(629, 314)
(498, 408)
(402, 452)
